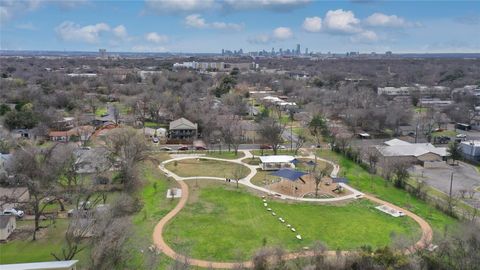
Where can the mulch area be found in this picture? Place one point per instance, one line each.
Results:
(287, 187)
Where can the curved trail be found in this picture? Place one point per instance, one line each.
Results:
(160, 243)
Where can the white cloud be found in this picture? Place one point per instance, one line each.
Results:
(5, 14)
(70, 31)
(156, 38)
(143, 48)
(282, 33)
(278, 34)
(341, 22)
(120, 32)
(260, 39)
(26, 26)
(366, 36)
(182, 6)
(10, 8)
(279, 5)
(380, 19)
(312, 24)
(197, 21)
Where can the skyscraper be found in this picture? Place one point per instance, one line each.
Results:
(306, 51)
(297, 52)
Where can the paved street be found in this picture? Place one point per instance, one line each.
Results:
(465, 177)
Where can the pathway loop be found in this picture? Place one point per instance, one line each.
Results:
(160, 243)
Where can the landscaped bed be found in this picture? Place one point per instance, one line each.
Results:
(223, 223)
(206, 167)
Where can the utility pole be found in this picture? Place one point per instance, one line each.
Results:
(291, 135)
(451, 184)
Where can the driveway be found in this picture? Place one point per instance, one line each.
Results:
(465, 177)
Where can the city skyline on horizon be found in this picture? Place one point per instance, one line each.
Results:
(208, 26)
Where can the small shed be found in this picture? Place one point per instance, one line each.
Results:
(7, 226)
(55, 265)
(272, 163)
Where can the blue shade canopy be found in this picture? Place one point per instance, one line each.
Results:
(295, 161)
(311, 163)
(339, 180)
(289, 174)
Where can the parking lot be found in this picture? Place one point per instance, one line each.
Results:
(465, 177)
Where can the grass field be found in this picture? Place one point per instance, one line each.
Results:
(206, 167)
(373, 184)
(50, 240)
(225, 154)
(224, 223)
(447, 133)
(155, 206)
(270, 152)
(101, 111)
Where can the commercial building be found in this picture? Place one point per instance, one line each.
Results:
(471, 150)
(424, 154)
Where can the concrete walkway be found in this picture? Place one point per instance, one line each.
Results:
(160, 243)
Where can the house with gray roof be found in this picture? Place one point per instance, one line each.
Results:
(183, 129)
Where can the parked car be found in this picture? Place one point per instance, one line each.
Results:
(265, 146)
(201, 148)
(165, 148)
(281, 147)
(155, 140)
(183, 148)
(461, 136)
(14, 212)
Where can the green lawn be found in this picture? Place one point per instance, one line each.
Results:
(225, 154)
(447, 133)
(206, 167)
(155, 206)
(421, 109)
(362, 180)
(251, 161)
(270, 152)
(224, 223)
(101, 111)
(50, 240)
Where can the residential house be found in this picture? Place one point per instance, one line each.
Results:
(4, 158)
(183, 129)
(82, 133)
(13, 197)
(54, 265)
(155, 132)
(22, 133)
(471, 150)
(424, 154)
(7, 226)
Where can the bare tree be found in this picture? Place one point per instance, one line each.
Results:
(318, 176)
(127, 149)
(271, 130)
(232, 132)
(81, 226)
(299, 140)
(39, 170)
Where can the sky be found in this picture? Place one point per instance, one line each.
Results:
(208, 26)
